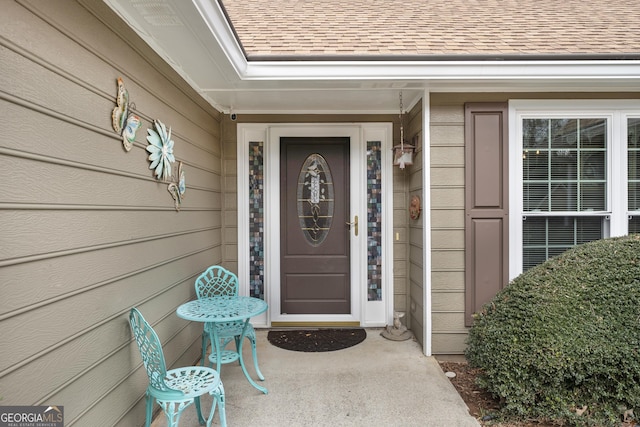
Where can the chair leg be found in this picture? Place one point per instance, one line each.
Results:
(218, 398)
(149, 412)
(173, 410)
(199, 411)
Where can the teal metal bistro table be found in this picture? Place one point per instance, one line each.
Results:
(220, 311)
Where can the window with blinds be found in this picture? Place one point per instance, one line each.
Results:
(633, 172)
(574, 169)
(564, 173)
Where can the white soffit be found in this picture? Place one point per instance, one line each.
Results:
(196, 40)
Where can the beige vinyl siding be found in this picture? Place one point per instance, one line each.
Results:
(414, 181)
(88, 231)
(447, 225)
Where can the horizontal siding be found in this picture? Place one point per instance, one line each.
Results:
(445, 301)
(50, 280)
(417, 309)
(443, 176)
(447, 281)
(447, 238)
(447, 233)
(447, 218)
(450, 198)
(449, 342)
(415, 174)
(88, 231)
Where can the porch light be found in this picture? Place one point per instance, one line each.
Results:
(402, 153)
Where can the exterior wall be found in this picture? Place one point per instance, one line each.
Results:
(400, 179)
(414, 183)
(88, 232)
(447, 209)
(447, 221)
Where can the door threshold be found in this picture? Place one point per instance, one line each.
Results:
(315, 324)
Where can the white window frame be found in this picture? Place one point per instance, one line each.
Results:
(616, 112)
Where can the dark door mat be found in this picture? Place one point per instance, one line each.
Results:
(316, 340)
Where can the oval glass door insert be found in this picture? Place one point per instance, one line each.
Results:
(315, 199)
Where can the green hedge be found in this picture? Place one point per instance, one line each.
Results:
(565, 335)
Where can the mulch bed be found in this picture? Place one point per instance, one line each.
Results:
(316, 340)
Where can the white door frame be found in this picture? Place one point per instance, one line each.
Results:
(366, 313)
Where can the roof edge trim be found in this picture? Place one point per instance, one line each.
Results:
(215, 16)
(448, 70)
(436, 58)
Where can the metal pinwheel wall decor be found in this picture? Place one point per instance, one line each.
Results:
(161, 149)
(160, 146)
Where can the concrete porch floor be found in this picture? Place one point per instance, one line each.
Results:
(375, 383)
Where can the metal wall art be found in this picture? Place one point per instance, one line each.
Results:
(414, 208)
(177, 189)
(161, 149)
(124, 123)
(160, 146)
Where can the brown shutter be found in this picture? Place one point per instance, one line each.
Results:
(486, 204)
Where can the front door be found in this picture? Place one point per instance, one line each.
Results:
(314, 231)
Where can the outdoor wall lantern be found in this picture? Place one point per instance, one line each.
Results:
(403, 152)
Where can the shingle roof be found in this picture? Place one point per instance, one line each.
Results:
(436, 28)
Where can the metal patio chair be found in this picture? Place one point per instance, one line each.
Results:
(178, 388)
(218, 281)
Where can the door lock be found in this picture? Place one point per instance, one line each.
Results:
(354, 223)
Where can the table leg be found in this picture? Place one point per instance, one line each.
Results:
(215, 346)
(218, 350)
(244, 369)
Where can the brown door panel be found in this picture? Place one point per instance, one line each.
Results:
(315, 294)
(315, 268)
(308, 264)
(315, 287)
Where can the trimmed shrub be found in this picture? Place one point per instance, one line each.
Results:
(562, 341)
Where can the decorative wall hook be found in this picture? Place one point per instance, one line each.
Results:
(414, 208)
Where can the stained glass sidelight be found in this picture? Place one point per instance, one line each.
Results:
(374, 222)
(256, 219)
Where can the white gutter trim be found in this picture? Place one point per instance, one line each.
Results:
(441, 70)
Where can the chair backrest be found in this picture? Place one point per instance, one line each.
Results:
(216, 281)
(150, 349)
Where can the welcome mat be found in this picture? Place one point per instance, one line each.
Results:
(316, 340)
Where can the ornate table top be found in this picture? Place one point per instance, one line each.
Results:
(221, 309)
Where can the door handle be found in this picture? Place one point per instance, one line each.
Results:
(354, 223)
